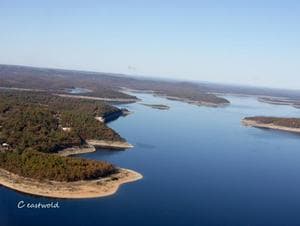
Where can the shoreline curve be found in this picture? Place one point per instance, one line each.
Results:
(97, 188)
(252, 123)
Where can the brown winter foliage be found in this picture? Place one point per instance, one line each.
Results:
(43, 166)
(287, 122)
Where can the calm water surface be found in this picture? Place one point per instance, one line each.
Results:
(200, 167)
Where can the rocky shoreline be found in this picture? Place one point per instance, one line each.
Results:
(253, 123)
(77, 150)
(69, 190)
(92, 145)
(113, 115)
(109, 144)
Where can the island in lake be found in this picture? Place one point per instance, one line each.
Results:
(277, 123)
(157, 106)
(280, 101)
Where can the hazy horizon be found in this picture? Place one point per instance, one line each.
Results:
(154, 78)
(245, 44)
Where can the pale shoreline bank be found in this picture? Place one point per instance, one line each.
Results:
(123, 100)
(269, 126)
(77, 150)
(73, 190)
(109, 144)
(92, 146)
(69, 190)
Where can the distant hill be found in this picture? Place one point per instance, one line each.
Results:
(103, 85)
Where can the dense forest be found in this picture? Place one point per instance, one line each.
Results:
(33, 119)
(55, 103)
(32, 132)
(43, 166)
(34, 127)
(87, 127)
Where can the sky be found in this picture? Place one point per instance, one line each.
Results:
(254, 42)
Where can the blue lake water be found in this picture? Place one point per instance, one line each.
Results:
(200, 167)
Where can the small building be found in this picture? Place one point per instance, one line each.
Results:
(66, 129)
(5, 145)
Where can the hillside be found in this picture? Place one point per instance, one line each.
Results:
(103, 85)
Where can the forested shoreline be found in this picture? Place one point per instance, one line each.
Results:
(277, 121)
(33, 129)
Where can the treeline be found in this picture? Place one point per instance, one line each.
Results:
(53, 102)
(287, 122)
(43, 166)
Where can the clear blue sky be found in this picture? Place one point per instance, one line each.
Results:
(252, 42)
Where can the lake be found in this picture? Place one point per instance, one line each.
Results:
(200, 167)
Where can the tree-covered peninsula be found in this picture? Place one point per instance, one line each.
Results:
(277, 123)
(36, 126)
